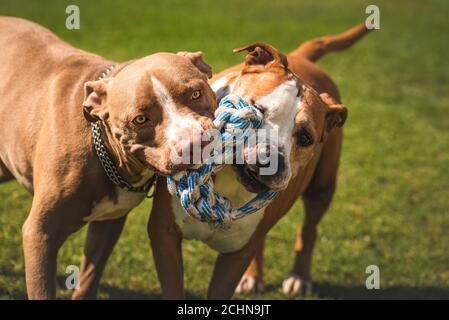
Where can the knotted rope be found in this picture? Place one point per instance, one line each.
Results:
(235, 120)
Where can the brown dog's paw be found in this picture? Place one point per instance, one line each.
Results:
(293, 285)
(250, 284)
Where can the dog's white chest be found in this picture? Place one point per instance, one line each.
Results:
(222, 240)
(107, 209)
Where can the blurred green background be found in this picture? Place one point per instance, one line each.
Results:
(391, 208)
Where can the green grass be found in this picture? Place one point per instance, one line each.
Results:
(391, 205)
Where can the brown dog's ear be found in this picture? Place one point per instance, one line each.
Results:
(197, 59)
(336, 114)
(262, 53)
(94, 106)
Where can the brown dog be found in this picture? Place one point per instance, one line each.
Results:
(308, 126)
(140, 108)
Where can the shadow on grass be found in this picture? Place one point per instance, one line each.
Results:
(112, 292)
(321, 291)
(115, 293)
(333, 291)
(13, 294)
(342, 292)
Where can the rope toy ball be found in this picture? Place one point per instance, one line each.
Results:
(235, 119)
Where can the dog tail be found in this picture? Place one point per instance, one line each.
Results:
(316, 48)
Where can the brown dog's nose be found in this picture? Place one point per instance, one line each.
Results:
(190, 149)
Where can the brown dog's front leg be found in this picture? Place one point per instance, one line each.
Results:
(43, 233)
(40, 250)
(101, 239)
(166, 244)
(229, 269)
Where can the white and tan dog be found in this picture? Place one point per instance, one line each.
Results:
(287, 91)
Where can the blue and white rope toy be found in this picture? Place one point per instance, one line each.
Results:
(235, 119)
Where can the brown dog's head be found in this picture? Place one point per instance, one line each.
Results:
(296, 113)
(151, 107)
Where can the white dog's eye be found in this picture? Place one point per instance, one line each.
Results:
(304, 138)
(259, 107)
(196, 94)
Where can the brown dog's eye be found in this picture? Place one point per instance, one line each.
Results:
(196, 94)
(304, 138)
(140, 120)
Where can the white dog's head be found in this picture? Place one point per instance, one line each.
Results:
(299, 117)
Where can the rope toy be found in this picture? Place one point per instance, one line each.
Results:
(235, 119)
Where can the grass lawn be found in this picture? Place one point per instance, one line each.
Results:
(391, 208)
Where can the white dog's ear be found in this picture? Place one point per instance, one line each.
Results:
(336, 114)
(94, 105)
(263, 54)
(197, 58)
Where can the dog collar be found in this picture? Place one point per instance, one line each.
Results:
(106, 161)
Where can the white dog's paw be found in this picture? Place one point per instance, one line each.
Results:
(249, 284)
(293, 285)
